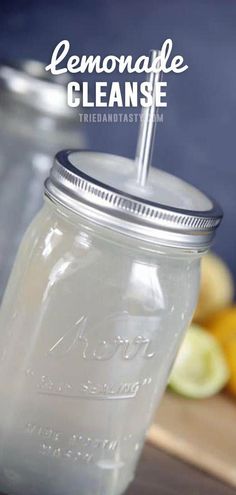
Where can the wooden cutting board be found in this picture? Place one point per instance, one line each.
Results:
(201, 432)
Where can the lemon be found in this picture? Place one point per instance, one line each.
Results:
(200, 369)
(216, 288)
(223, 326)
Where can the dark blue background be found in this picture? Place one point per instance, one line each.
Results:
(197, 139)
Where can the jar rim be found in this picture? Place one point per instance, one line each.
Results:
(28, 82)
(176, 227)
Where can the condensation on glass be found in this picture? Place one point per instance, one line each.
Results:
(104, 286)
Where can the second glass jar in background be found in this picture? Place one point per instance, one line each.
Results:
(35, 122)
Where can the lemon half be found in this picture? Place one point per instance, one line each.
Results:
(200, 369)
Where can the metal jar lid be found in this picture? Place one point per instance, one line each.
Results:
(28, 82)
(71, 185)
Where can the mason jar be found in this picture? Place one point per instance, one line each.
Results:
(104, 286)
(35, 121)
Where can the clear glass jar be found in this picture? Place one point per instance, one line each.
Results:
(35, 122)
(90, 325)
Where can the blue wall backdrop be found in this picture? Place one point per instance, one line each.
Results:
(197, 138)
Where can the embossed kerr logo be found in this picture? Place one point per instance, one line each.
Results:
(89, 344)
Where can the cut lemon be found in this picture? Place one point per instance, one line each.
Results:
(200, 369)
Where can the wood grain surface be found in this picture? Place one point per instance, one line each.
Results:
(160, 474)
(202, 433)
